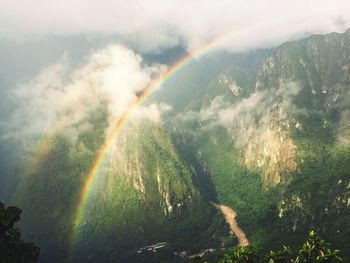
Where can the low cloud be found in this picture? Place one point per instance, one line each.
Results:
(252, 114)
(152, 113)
(61, 97)
(153, 25)
(259, 126)
(38, 101)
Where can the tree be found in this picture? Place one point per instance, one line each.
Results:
(314, 250)
(279, 256)
(242, 255)
(12, 248)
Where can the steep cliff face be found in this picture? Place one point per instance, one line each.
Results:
(146, 195)
(304, 89)
(258, 122)
(316, 122)
(320, 66)
(149, 163)
(262, 136)
(278, 146)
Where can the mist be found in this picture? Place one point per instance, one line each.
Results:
(152, 25)
(62, 96)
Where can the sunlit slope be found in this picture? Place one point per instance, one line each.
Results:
(278, 152)
(147, 195)
(144, 193)
(319, 192)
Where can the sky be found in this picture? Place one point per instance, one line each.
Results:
(116, 71)
(152, 25)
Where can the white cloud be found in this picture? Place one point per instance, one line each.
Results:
(38, 101)
(151, 112)
(260, 105)
(151, 24)
(61, 96)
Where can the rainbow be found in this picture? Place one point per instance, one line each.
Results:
(122, 120)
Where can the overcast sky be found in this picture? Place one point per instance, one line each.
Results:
(155, 24)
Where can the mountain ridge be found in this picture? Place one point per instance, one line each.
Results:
(266, 142)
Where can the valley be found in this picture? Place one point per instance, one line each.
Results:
(253, 143)
(230, 219)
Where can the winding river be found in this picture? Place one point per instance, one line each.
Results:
(230, 216)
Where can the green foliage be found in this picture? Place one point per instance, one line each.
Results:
(317, 199)
(12, 248)
(316, 250)
(129, 204)
(279, 256)
(313, 250)
(215, 158)
(242, 255)
(51, 182)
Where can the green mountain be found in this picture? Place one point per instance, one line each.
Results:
(278, 151)
(318, 194)
(145, 194)
(270, 140)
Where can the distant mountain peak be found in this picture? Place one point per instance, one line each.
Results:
(168, 56)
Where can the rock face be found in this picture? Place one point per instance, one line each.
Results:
(147, 195)
(317, 121)
(148, 163)
(306, 96)
(268, 143)
(319, 65)
(290, 128)
(262, 135)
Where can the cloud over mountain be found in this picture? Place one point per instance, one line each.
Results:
(150, 25)
(61, 97)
